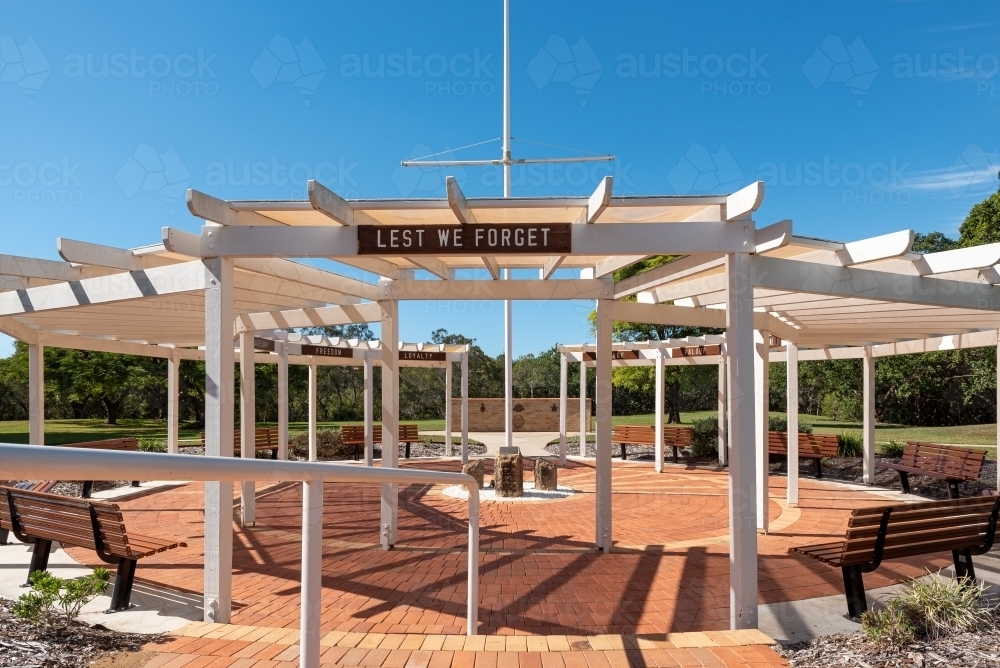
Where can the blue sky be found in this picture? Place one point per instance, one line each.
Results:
(863, 117)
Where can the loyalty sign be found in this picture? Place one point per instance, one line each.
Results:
(422, 356)
(477, 239)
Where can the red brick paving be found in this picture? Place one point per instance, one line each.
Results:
(538, 572)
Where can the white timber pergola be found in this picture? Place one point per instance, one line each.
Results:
(236, 279)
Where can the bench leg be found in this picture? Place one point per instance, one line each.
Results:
(274, 454)
(854, 588)
(624, 454)
(819, 468)
(135, 483)
(123, 586)
(952, 489)
(39, 558)
(357, 455)
(963, 564)
(407, 450)
(88, 488)
(904, 481)
(3, 536)
(675, 453)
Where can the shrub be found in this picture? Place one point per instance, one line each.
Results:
(892, 449)
(53, 599)
(931, 608)
(851, 445)
(329, 446)
(705, 440)
(781, 424)
(888, 626)
(150, 444)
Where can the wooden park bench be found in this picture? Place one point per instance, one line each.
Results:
(673, 437)
(953, 465)
(966, 527)
(40, 486)
(39, 518)
(811, 446)
(120, 444)
(265, 438)
(354, 434)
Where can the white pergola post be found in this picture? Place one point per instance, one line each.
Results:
(173, 402)
(36, 394)
(792, 390)
(465, 408)
(312, 573)
(563, 405)
(313, 408)
(390, 418)
(219, 408)
(282, 401)
(658, 412)
(742, 438)
(447, 408)
(723, 413)
(584, 418)
(508, 368)
(761, 392)
(868, 378)
(998, 405)
(248, 425)
(602, 399)
(369, 403)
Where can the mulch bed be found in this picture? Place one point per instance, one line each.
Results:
(23, 645)
(972, 648)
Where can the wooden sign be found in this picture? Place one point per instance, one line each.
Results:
(422, 356)
(615, 355)
(697, 351)
(263, 344)
(327, 351)
(474, 239)
(774, 341)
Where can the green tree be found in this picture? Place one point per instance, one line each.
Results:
(982, 225)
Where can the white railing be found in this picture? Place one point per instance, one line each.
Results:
(32, 462)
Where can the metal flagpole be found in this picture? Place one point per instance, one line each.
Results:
(507, 161)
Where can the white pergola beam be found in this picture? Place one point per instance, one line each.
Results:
(492, 267)
(321, 317)
(882, 247)
(31, 268)
(457, 202)
(218, 211)
(974, 257)
(82, 252)
(774, 236)
(432, 265)
(172, 279)
(610, 265)
(551, 265)
(674, 271)
(744, 202)
(497, 290)
(306, 275)
(329, 203)
(599, 201)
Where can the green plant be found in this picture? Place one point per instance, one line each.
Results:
(151, 444)
(53, 599)
(851, 445)
(781, 424)
(940, 606)
(892, 449)
(888, 626)
(329, 446)
(705, 439)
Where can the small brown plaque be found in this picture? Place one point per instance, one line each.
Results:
(475, 239)
(698, 351)
(615, 355)
(263, 344)
(774, 341)
(422, 356)
(327, 351)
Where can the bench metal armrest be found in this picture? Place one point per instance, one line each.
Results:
(991, 530)
(98, 540)
(15, 526)
(883, 529)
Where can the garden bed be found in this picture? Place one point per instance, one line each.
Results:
(24, 645)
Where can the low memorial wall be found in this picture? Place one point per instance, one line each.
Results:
(529, 414)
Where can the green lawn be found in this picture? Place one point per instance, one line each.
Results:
(74, 431)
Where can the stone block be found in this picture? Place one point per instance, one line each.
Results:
(508, 475)
(546, 477)
(475, 469)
